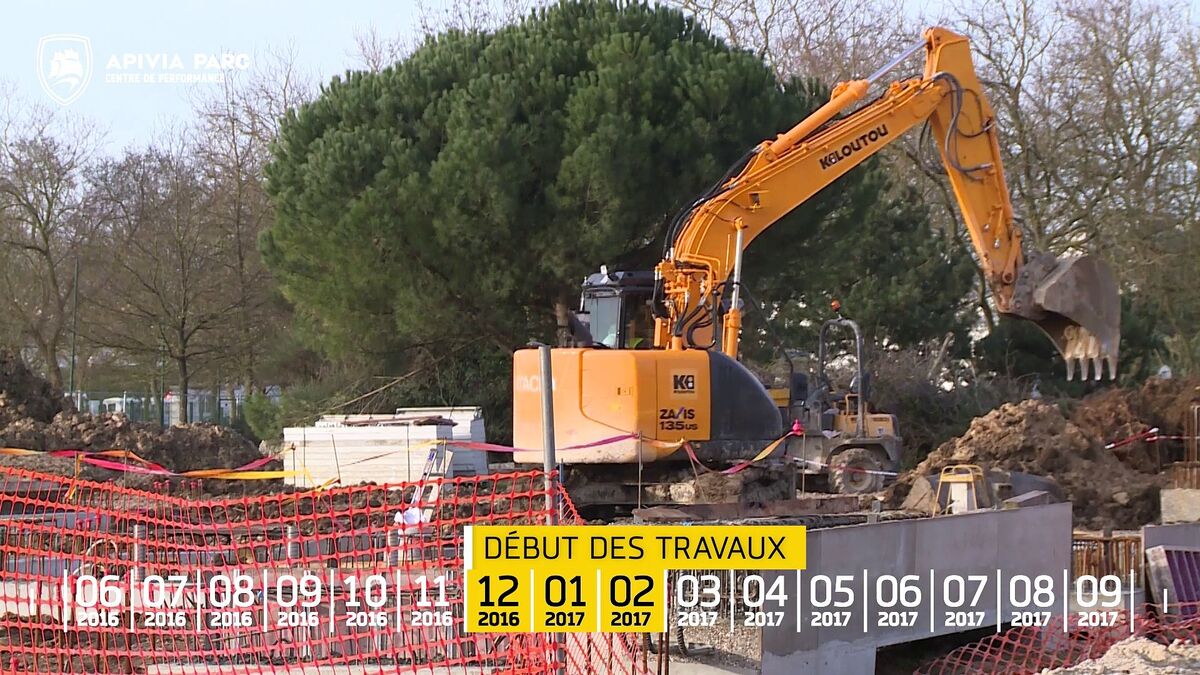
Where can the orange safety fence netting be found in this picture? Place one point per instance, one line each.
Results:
(1032, 649)
(97, 578)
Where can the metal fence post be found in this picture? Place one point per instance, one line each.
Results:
(549, 466)
(549, 463)
(138, 571)
(293, 542)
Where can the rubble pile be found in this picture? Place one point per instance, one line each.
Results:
(1138, 656)
(35, 416)
(1035, 437)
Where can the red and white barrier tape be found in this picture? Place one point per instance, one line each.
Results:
(1149, 436)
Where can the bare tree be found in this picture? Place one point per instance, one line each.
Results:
(1096, 108)
(170, 298)
(473, 16)
(374, 51)
(234, 130)
(45, 224)
(832, 40)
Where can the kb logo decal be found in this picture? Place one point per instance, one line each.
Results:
(683, 383)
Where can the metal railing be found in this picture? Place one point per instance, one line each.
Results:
(1184, 475)
(1191, 434)
(1102, 554)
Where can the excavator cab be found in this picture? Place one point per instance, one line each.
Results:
(615, 307)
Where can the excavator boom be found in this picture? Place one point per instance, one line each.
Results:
(1075, 301)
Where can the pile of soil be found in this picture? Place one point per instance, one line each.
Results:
(1035, 437)
(24, 395)
(1117, 414)
(36, 416)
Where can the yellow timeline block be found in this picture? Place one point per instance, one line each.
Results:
(633, 602)
(639, 548)
(567, 578)
(499, 602)
(566, 602)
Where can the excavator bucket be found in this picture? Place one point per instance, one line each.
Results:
(1076, 302)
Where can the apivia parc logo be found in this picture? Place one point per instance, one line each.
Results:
(64, 64)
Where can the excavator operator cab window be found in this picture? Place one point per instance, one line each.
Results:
(639, 322)
(617, 309)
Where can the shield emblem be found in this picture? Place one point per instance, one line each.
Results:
(64, 66)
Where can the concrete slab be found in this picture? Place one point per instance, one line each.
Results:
(877, 561)
(1183, 534)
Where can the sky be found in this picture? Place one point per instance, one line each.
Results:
(321, 34)
(151, 60)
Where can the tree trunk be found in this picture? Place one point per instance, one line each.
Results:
(49, 355)
(184, 381)
(985, 307)
(562, 317)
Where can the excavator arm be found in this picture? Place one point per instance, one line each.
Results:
(1075, 301)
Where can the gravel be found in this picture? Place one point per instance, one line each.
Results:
(1139, 656)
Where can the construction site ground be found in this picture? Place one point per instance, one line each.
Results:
(1111, 489)
(677, 668)
(1139, 656)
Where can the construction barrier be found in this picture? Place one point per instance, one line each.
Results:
(1099, 554)
(1059, 644)
(96, 578)
(1184, 476)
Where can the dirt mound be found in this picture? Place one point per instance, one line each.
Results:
(36, 416)
(1166, 404)
(1035, 437)
(1112, 416)
(1118, 414)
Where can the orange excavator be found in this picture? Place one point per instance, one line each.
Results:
(657, 368)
